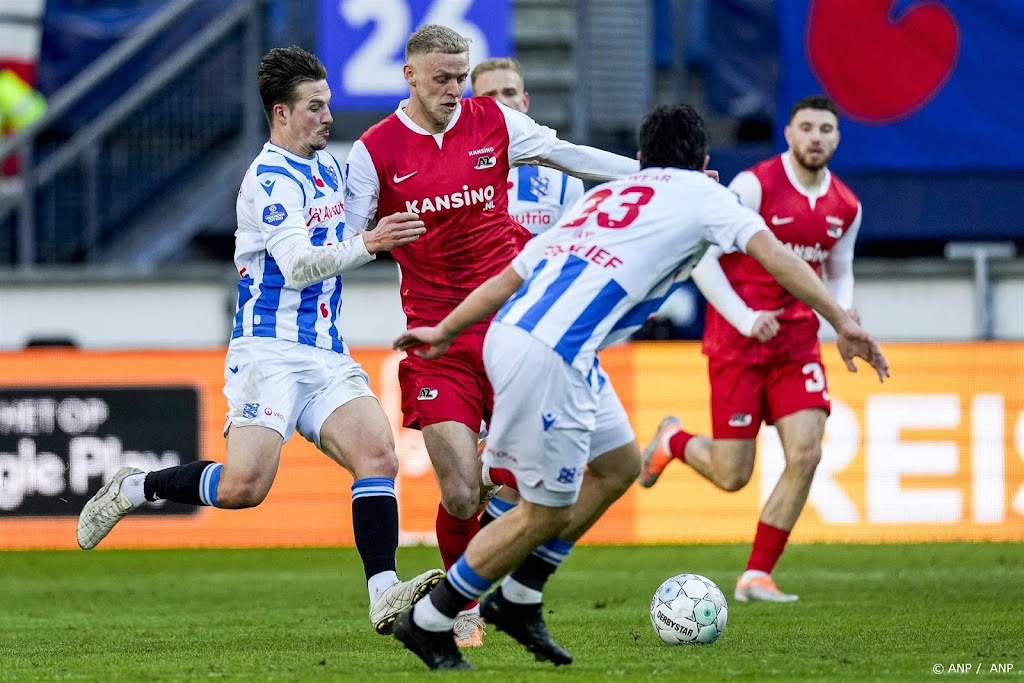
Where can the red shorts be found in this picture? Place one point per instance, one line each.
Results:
(452, 388)
(744, 395)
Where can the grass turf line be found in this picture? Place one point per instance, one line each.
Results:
(865, 612)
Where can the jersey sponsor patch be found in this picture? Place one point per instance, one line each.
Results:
(427, 394)
(274, 214)
(487, 161)
(741, 420)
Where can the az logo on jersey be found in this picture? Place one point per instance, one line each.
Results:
(835, 227)
(486, 162)
(274, 214)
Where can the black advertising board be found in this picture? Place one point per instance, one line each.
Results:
(59, 445)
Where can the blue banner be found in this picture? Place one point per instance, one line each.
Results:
(922, 84)
(362, 43)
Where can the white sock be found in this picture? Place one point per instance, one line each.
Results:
(429, 618)
(133, 486)
(753, 574)
(378, 583)
(520, 594)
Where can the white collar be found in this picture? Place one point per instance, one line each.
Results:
(416, 128)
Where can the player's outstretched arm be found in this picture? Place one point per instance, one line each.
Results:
(716, 288)
(798, 278)
(482, 303)
(303, 264)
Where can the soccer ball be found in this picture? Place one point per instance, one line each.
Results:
(689, 609)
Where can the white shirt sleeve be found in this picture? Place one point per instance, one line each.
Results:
(281, 213)
(716, 288)
(303, 264)
(747, 187)
(837, 271)
(727, 223)
(362, 187)
(532, 143)
(588, 163)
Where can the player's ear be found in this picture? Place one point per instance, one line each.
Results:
(280, 114)
(526, 102)
(410, 74)
(704, 166)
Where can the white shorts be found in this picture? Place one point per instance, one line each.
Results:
(548, 423)
(286, 386)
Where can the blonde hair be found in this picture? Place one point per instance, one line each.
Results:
(497, 64)
(435, 38)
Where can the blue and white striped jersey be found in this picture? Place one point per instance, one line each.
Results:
(538, 196)
(616, 255)
(283, 194)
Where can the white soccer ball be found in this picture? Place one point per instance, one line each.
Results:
(689, 609)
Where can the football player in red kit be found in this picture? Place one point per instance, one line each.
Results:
(764, 358)
(447, 160)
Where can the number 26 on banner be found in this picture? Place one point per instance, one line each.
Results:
(362, 43)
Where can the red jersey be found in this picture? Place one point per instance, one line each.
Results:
(456, 182)
(810, 226)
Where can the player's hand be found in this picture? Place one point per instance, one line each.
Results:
(435, 341)
(393, 231)
(766, 325)
(854, 342)
(710, 173)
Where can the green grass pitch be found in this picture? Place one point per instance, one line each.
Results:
(865, 612)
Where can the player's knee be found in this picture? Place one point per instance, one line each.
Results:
(380, 462)
(805, 459)
(734, 480)
(240, 495)
(548, 522)
(461, 498)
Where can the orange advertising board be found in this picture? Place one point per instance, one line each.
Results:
(935, 453)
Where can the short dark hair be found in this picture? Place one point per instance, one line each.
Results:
(282, 71)
(673, 136)
(814, 102)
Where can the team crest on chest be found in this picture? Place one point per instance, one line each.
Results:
(835, 227)
(539, 186)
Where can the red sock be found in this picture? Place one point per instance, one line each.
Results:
(677, 444)
(500, 475)
(769, 542)
(453, 537)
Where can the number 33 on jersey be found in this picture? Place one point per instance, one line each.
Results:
(617, 254)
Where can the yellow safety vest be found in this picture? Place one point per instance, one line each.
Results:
(20, 103)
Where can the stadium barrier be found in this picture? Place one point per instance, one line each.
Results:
(935, 453)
